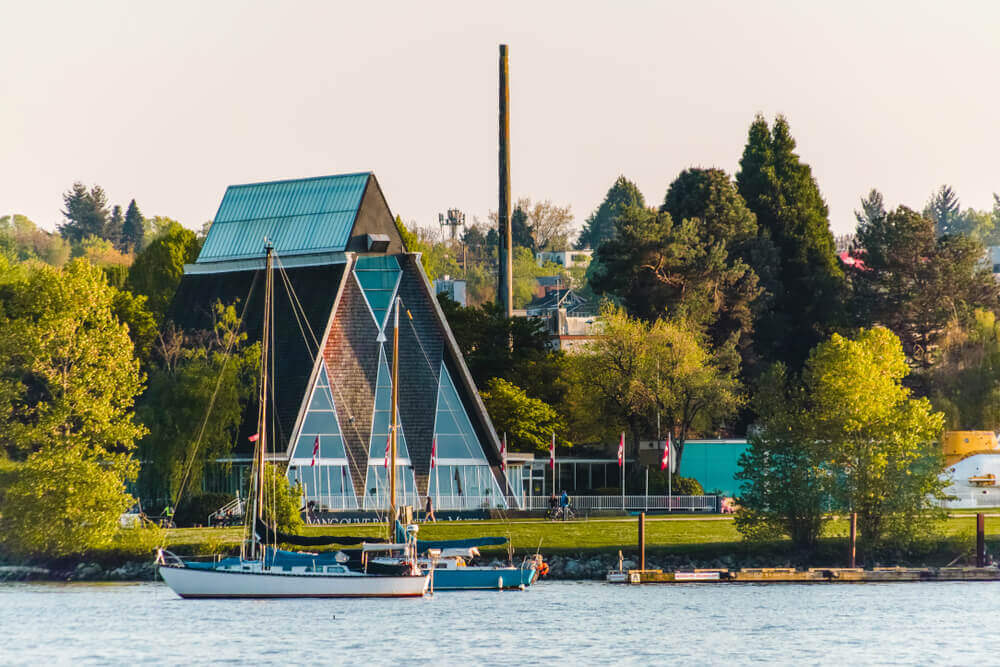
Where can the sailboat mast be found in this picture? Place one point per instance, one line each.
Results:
(394, 427)
(262, 414)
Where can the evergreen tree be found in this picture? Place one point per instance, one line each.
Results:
(808, 287)
(86, 213)
(520, 230)
(944, 211)
(872, 209)
(600, 226)
(132, 229)
(113, 230)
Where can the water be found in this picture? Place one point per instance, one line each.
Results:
(554, 622)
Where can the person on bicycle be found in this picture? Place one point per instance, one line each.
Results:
(564, 504)
(553, 503)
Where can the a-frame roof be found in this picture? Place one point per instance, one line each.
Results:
(299, 217)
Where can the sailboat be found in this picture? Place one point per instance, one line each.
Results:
(264, 571)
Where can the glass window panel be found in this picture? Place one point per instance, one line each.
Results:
(380, 416)
(454, 432)
(321, 400)
(320, 422)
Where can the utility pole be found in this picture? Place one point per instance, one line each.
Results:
(505, 280)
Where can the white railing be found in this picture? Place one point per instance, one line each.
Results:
(629, 503)
(470, 502)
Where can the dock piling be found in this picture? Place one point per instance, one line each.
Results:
(642, 541)
(980, 540)
(854, 537)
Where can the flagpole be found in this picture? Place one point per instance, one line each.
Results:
(623, 472)
(670, 474)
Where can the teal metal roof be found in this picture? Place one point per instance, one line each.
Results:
(298, 217)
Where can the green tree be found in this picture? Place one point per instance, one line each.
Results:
(687, 260)
(914, 282)
(282, 499)
(86, 213)
(785, 483)
(157, 270)
(26, 241)
(195, 403)
(635, 368)
(600, 226)
(133, 229)
(515, 349)
(808, 285)
(883, 442)
(965, 382)
(945, 211)
(872, 211)
(131, 311)
(114, 227)
(60, 503)
(67, 373)
(528, 422)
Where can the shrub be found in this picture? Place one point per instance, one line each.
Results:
(59, 504)
(195, 509)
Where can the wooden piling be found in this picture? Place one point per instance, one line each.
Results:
(980, 540)
(642, 541)
(854, 538)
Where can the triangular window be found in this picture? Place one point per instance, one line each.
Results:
(320, 421)
(456, 438)
(378, 276)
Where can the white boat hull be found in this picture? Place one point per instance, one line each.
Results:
(196, 583)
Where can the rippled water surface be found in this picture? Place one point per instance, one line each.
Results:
(553, 622)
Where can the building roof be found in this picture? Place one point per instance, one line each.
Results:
(302, 216)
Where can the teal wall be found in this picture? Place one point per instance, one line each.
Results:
(714, 464)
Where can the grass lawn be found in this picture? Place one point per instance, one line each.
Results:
(698, 536)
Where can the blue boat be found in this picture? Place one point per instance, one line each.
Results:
(448, 560)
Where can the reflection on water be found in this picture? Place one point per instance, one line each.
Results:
(558, 622)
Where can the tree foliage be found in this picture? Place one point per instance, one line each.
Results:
(636, 368)
(915, 283)
(157, 270)
(965, 382)
(195, 402)
(808, 285)
(86, 213)
(133, 229)
(60, 503)
(22, 240)
(282, 499)
(600, 226)
(67, 373)
(528, 422)
(945, 211)
(854, 434)
(687, 260)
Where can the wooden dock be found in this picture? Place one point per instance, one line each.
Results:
(829, 575)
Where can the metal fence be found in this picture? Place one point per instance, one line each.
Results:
(628, 503)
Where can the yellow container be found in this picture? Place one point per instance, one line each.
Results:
(959, 445)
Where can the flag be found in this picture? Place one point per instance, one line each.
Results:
(386, 463)
(552, 452)
(434, 452)
(665, 461)
(315, 451)
(254, 437)
(503, 453)
(621, 450)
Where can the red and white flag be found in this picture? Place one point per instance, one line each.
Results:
(434, 453)
(503, 453)
(385, 464)
(665, 461)
(254, 438)
(621, 450)
(552, 452)
(315, 452)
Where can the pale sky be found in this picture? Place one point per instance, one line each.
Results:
(171, 102)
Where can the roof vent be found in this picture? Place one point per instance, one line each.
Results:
(377, 242)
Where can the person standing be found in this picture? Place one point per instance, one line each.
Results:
(429, 510)
(564, 504)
